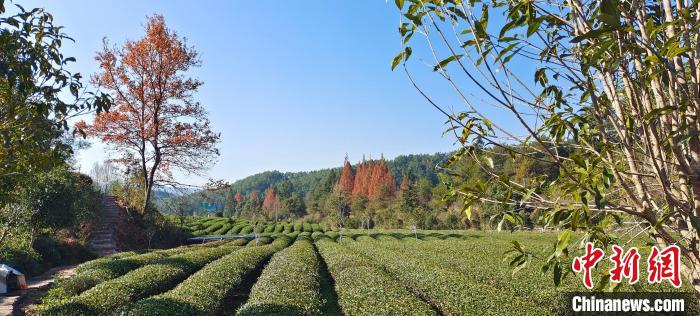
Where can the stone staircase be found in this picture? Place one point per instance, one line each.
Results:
(103, 240)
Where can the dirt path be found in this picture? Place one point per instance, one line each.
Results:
(18, 302)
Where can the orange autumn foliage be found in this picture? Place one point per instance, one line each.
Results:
(238, 197)
(271, 201)
(373, 179)
(154, 124)
(347, 179)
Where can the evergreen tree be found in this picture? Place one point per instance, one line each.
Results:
(230, 205)
(409, 204)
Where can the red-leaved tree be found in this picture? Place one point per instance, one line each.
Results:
(154, 125)
(271, 203)
(362, 177)
(253, 198)
(405, 182)
(238, 198)
(347, 178)
(382, 182)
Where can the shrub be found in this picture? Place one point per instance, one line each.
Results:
(306, 227)
(316, 228)
(363, 289)
(246, 230)
(317, 235)
(206, 291)
(214, 227)
(269, 229)
(107, 271)
(332, 234)
(235, 229)
(298, 227)
(288, 228)
(259, 241)
(139, 283)
(289, 285)
(92, 263)
(224, 228)
(199, 233)
(240, 242)
(279, 228)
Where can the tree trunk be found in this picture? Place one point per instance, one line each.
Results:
(147, 198)
(5, 233)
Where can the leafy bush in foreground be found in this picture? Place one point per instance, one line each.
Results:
(92, 263)
(110, 270)
(259, 241)
(363, 289)
(206, 291)
(139, 283)
(289, 285)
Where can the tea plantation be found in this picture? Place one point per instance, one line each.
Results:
(223, 226)
(319, 273)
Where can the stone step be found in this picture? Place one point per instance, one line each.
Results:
(102, 240)
(103, 246)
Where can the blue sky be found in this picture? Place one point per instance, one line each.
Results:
(291, 85)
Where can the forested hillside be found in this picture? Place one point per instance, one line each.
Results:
(418, 166)
(298, 194)
(408, 191)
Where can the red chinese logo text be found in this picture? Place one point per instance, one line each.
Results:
(661, 264)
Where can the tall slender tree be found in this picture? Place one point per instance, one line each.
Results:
(155, 122)
(271, 203)
(404, 182)
(347, 178)
(362, 177)
(239, 198)
(382, 183)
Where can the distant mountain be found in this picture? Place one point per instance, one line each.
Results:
(162, 192)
